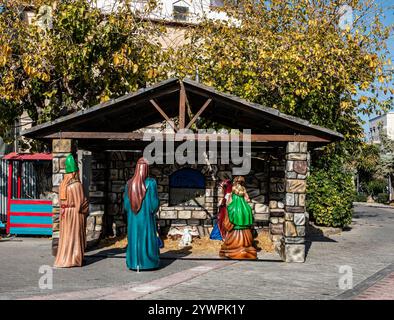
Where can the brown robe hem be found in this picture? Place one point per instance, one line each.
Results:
(238, 244)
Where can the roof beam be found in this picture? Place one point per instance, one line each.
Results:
(210, 136)
(163, 114)
(206, 104)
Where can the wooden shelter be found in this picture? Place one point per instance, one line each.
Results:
(113, 133)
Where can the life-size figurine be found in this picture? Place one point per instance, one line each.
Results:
(218, 232)
(141, 203)
(73, 210)
(238, 222)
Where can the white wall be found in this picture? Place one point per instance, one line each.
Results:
(384, 122)
(197, 8)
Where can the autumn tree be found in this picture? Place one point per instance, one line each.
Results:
(364, 162)
(301, 57)
(72, 55)
(323, 61)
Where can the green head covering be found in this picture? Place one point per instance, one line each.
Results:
(71, 165)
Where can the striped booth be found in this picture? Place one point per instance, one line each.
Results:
(30, 217)
(26, 216)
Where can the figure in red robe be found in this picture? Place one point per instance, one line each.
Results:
(219, 232)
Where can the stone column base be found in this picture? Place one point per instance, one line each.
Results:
(290, 252)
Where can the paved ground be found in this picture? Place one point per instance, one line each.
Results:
(382, 290)
(367, 250)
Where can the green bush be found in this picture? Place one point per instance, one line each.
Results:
(330, 194)
(361, 197)
(374, 187)
(382, 198)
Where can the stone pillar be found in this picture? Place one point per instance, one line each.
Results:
(276, 199)
(97, 198)
(293, 243)
(61, 148)
(121, 165)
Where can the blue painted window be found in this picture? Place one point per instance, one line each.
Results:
(187, 187)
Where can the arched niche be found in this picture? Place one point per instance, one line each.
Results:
(187, 188)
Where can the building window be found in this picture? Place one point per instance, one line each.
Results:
(187, 188)
(222, 3)
(217, 3)
(180, 13)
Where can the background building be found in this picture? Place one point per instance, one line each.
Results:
(187, 11)
(385, 123)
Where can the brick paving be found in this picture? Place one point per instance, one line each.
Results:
(136, 291)
(381, 290)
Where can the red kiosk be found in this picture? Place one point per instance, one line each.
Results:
(26, 216)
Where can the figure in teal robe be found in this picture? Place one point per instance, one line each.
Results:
(143, 248)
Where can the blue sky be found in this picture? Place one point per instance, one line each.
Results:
(388, 6)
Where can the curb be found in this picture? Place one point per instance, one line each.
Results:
(367, 283)
(373, 205)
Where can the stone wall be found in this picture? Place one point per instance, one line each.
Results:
(118, 167)
(276, 185)
(97, 197)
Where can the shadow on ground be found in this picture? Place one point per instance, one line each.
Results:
(314, 234)
(120, 253)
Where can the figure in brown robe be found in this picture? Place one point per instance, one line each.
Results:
(238, 222)
(73, 210)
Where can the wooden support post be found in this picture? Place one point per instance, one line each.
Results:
(182, 106)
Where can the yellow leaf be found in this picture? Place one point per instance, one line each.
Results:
(3, 60)
(363, 99)
(364, 85)
(104, 98)
(116, 59)
(135, 68)
(150, 73)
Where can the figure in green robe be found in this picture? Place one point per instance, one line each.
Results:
(141, 203)
(240, 213)
(238, 223)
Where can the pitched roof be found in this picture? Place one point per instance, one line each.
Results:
(134, 111)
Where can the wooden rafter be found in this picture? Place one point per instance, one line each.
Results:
(182, 106)
(206, 104)
(161, 111)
